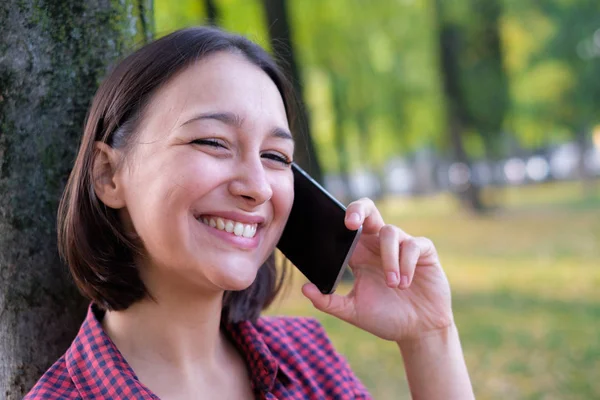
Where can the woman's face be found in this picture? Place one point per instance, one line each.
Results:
(207, 186)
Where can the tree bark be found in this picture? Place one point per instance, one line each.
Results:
(280, 34)
(52, 56)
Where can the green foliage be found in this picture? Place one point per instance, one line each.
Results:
(381, 53)
(381, 58)
(245, 17)
(553, 75)
(173, 15)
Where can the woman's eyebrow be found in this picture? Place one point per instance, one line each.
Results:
(282, 134)
(236, 121)
(224, 117)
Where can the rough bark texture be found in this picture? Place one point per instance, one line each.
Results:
(281, 41)
(52, 56)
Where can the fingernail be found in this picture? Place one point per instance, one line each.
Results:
(404, 280)
(354, 217)
(392, 278)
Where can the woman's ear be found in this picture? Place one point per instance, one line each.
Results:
(106, 182)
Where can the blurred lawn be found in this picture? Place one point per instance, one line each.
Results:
(526, 287)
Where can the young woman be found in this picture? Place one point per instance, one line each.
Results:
(179, 194)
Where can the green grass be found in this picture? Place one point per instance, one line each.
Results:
(526, 294)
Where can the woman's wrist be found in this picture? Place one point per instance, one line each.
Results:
(435, 365)
(439, 337)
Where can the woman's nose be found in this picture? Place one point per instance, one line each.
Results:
(251, 183)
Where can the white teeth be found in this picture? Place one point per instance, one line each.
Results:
(249, 231)
(237, 228)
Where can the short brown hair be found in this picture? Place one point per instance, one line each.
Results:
(91, 238)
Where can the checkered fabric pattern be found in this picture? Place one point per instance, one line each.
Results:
(287, 358)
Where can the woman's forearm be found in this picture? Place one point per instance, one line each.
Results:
(435, 366)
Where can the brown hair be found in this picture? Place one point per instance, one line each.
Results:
(91, 238)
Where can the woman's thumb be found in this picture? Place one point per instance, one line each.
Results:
(334, 304)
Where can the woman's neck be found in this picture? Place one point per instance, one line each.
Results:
(176, 332)
(177, 349)
(173, 341)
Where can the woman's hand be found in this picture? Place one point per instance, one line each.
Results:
(400, 291)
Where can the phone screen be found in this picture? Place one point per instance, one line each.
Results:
(315, 238)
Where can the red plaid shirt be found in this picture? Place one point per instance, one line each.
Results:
(288, 358)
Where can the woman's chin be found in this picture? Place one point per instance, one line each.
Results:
(236, 282)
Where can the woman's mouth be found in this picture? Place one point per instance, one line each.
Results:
(234, 227)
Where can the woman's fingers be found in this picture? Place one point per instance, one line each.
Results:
(400, 254)
(412, 250)
(389, 239)
(409, 256)
(341, 307)
(363, 212)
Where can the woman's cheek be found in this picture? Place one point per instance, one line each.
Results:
(285, 196)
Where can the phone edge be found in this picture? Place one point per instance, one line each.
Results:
(346, 261)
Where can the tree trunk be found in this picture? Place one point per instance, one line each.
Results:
(485, 74)
(52, 56)
(338, 96)
(470, 196)
(362, 122)
(280, 34)
(588, 183)
(212, 14)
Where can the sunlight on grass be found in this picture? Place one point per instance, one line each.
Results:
(525, 282)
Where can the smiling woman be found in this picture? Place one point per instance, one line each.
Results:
(144, 100)
(180, 192)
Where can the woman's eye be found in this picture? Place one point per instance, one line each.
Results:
(278, 157)
(209, 142)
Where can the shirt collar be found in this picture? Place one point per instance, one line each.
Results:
(264, 367)
(97, 367)
(99, 370)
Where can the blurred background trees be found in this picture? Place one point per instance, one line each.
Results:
(418, 96)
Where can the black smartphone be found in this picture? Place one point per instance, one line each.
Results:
(315, 238)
